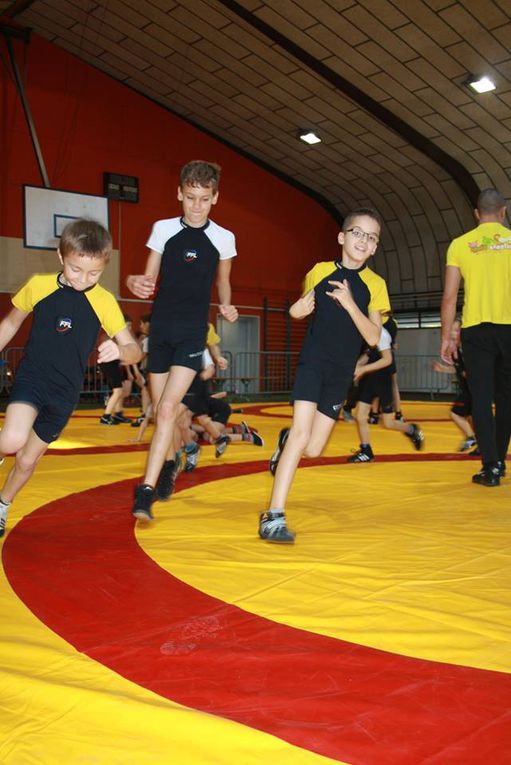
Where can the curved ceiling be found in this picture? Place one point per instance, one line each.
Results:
(382, 82)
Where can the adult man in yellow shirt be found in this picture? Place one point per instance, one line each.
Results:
(482, 257)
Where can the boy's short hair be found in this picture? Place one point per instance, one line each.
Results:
(85, 237)
(490, 201)
(370, 212)
(200, 173)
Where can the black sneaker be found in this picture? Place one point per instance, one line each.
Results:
(399, 417)
(120, 418)
(373, 418)
(469, 443)
(273, 528)
(221, 445)
(165, 482)
(107, 419)
(144, 497)
(256, 438)
(364, 454)
(502, 468)
(488, 476)
(416, 436)
(138, 421)
(275, 457)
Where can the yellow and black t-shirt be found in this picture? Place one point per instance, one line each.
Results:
(483, 256)
(64, 330)
(331, 334)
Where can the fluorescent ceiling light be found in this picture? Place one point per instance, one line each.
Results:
(482, 85)
(309, 136)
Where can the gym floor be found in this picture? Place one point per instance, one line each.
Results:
(382, 637)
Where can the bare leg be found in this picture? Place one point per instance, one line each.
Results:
(308, 435)
(167, 392)
(17, 427)
(362, 422)
(26, 459)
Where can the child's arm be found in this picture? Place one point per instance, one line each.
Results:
(10, 325)
(208, 372)
(385, 361)
(142, 285)
(303, 306)
(125, 348)
(223, 285)
(369, 327)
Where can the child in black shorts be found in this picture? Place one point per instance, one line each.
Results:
(69, 309)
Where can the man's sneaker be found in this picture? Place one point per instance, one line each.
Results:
(256, 438)
(502, 468)
(488, 476)
(373, 418)
(166, 480)
(364, 454)
(107, 419)
(140, 419)
(475, 452)
(347, 416)
(4, 507)
(120, 418)
(416, 436)
(273, 528)
(469, 443)
(192, 458)
(221, 445)
(275, 457)
(144, 497)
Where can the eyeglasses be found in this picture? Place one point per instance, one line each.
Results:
(359, 234)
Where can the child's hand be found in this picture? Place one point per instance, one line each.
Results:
(229, 312)
(342, 294)
(222, 362)
(358, 373)
(142, 286)
(304, 306)
(108, 351)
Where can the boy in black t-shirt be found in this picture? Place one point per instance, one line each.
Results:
(69, 308)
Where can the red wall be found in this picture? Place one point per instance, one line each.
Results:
(88, 123)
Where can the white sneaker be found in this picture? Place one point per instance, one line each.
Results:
(3, 516)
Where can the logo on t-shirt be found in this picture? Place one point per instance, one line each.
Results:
(190, 256)
(63, 324)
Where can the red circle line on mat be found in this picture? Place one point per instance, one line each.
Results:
(77, 565)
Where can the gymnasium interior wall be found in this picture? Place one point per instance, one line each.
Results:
(87, 124)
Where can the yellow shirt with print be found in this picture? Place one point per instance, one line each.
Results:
(483, 257)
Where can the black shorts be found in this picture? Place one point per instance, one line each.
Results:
(53, 412)
(377, 385)
(113, 373)
(196, 397)
(463, 404)
(219, 410)
(184, 353)
(324, 385)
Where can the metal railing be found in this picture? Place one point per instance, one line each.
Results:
(253, 374)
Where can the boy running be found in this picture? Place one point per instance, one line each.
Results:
(69, 309)
(186, 252)
(347, 301)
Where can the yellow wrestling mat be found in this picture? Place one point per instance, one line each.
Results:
(193, 642)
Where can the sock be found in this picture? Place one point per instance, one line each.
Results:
(5, 504)
(191, 447)
(276, 510)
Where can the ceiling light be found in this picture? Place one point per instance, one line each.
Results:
(481, 85)
(309, 136)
